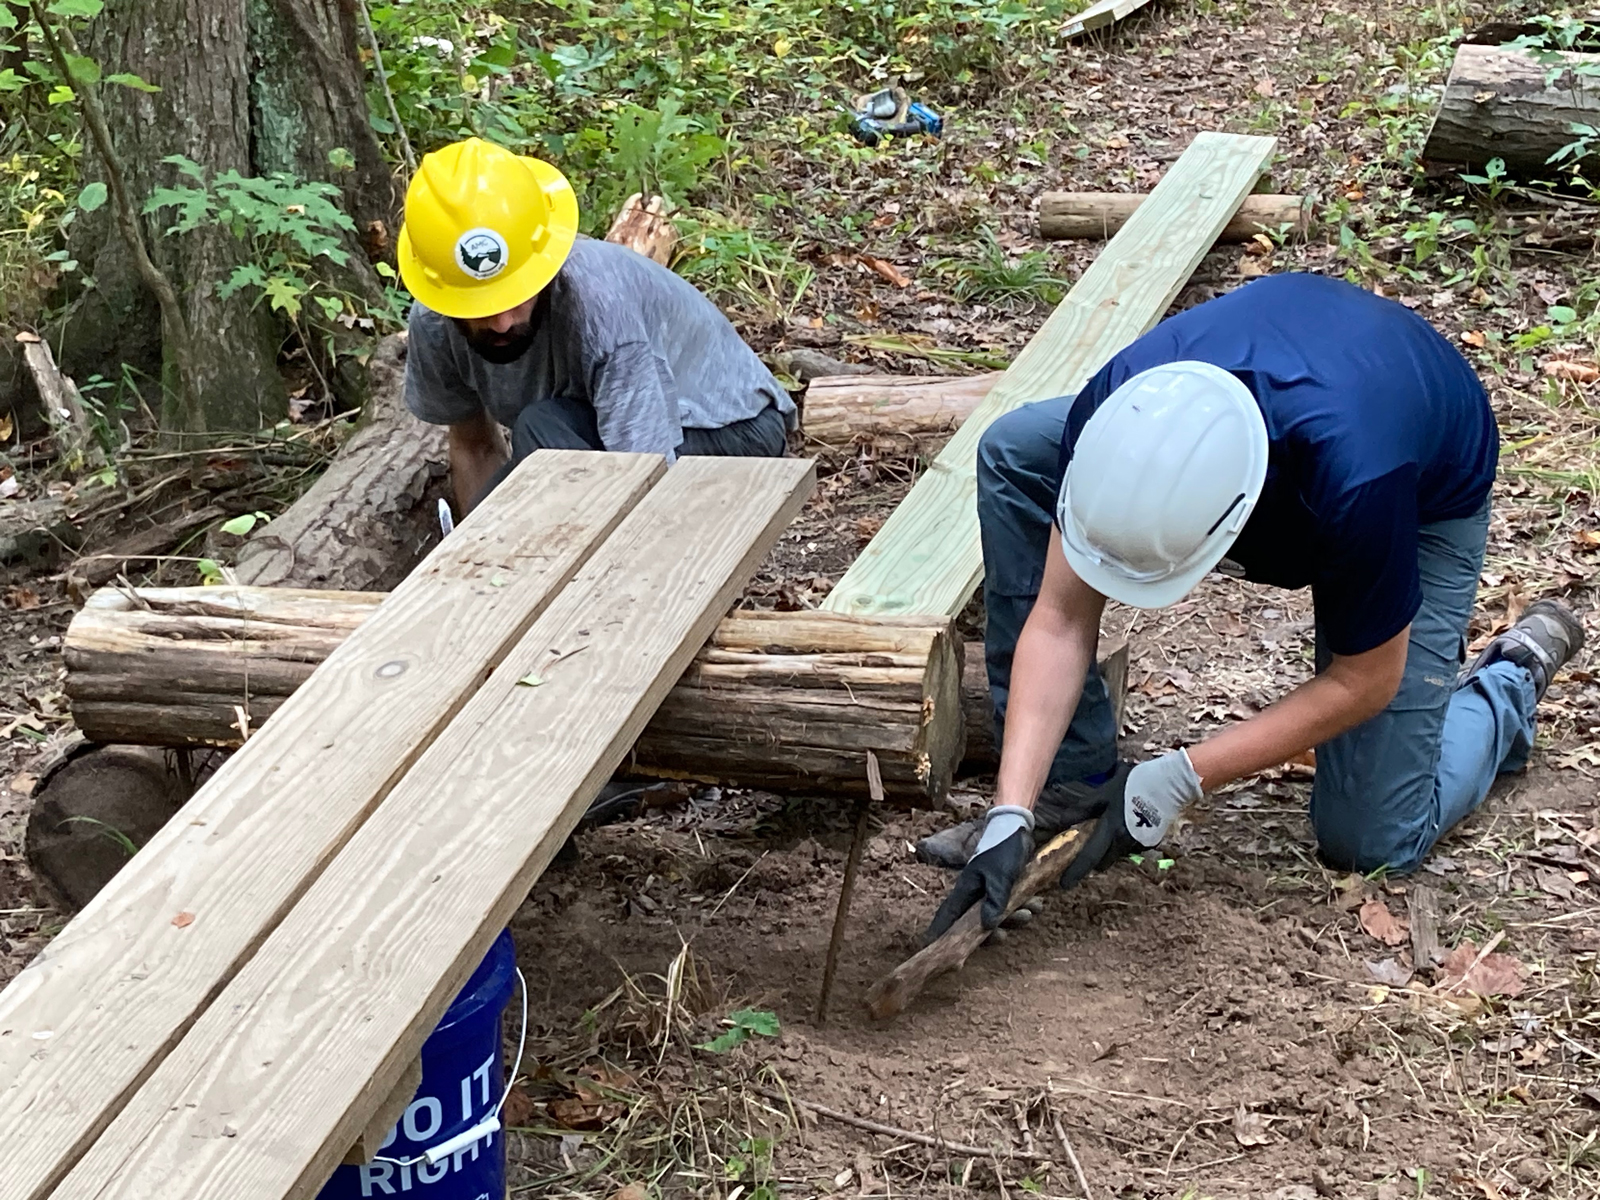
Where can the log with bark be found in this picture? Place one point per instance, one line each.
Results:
(890, 411)
(780, 700)
(1505, 103)
(978, 706)
(645, 225)
(373, 514)
(1101, 214)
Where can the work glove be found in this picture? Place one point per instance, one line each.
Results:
(1155, 793)
(991, 872)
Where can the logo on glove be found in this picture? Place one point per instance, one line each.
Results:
(1145, 814)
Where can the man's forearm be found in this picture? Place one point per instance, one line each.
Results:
(472, 466)
(1049, 666)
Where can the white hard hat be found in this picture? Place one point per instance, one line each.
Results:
(1161, 482)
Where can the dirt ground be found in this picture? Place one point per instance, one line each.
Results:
(1233, 1021)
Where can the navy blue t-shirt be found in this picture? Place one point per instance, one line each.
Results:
(1376, 424)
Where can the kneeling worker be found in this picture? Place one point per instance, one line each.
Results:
(570, 343)
(1299, 432)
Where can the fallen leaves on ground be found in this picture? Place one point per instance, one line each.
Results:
(594, 1103)
(1495, 975)
(1379, 922)
(886, 269)
(633, 1191)
(1250, 1128)
(1388, 971)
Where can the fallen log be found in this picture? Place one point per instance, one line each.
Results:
(778, 700)
(890, 995)
(1505, 103)
(645, 226)
(1101, 214)
(977, 705)
(373, 514)
(849, 410)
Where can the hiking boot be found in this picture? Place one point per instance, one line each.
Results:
(1544, 637)
(1060, 806)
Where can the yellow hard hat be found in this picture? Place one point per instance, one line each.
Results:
(485, 229)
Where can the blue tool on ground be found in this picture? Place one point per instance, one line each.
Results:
(891, 112)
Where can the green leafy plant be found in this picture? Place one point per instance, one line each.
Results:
(661, 151)
(994, 277)
(242, 524)
(1493, 177)
(742, 1025)
(286, 223)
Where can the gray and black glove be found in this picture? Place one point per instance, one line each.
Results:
(991, 872)
(1155, 793)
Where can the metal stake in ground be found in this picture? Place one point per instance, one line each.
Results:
(851, 862)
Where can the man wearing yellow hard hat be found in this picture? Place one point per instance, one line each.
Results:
(569, 343)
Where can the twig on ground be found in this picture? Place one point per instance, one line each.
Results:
(922, 1139)
(1077, 1167)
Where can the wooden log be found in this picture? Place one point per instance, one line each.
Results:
(118, 986)
(1504, 103)
(890, 995)
(265, 1093)
(927, 559)
(645, 226)
(792, 701)
(62, 404)
(895, 410)
(373, 514)
(1101, 214)
(977, 706)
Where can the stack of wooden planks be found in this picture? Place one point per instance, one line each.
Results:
(226, 1017)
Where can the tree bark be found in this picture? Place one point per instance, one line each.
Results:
(645, 226)
(1101, 214)
(1502, 103)
(893, 411)
(247, 85)
(781, 700)
(373, 514)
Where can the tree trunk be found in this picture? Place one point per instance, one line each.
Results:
(894, 411)
(373, 514)
(246, 85)
(783, 700)
(1101, 214)
(1501, 103)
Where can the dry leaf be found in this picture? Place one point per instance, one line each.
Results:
(1379, 922)
(1489, 1191)
(1586, 537)
(1475, 337)
(1388, 971)
(1496, 975)
(1265, 87)
(23, 783)
(519, 1108)
(6, 427)
(183, 920)
(1250, 266)
(22, 598)
(886, 269)
(633, 1191)
(1250, 1128)
(1575, 369)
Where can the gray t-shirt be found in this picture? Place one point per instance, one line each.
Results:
(616, 330)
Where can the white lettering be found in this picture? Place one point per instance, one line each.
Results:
(460, 1155)
(439, 1171)
(483, 1072)
(376, 1175)
(435, 1112)
(405, 1177)
(466, 1098)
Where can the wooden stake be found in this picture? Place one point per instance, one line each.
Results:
(851, 862)
(890, 995)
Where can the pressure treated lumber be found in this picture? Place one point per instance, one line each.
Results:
(1098, 16)
(89, 1019)
(1504, 103)
(890, 995)
(779, 700)
(897, 410)
(1101, 214)
(926, 558)
(264, 1095)
(373, 513)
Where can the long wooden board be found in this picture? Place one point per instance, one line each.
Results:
(926, 559)
(1098, 16)
(94, 1014)
(264, 1094)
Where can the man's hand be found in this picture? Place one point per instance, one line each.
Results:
(1154, 794)
(477, 451)
(991, 873)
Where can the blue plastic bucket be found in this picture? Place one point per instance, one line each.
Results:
(463, 1078)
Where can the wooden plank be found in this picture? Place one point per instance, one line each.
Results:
(278, 1077)
(926, 558)
(89, 1019)
(1098, 16)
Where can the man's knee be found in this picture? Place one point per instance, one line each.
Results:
(1024, 442)
(1391, 833)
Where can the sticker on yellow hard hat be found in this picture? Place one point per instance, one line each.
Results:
(481, 253)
